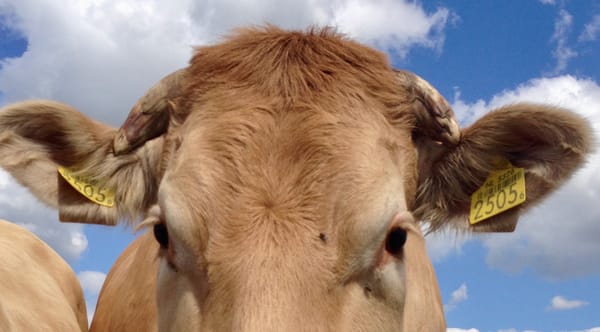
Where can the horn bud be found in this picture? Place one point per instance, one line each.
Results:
(434, 116)
(149, 117)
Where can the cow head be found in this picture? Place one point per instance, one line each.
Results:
(283, 174)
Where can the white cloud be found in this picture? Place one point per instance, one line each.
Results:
(454, 329)
(97, 55)
(562, 53)
(558, 239)
(561, 303)
(458, 296)
(508, 330)
(19, 206)
(101, 55)
(591, 30)
(389, 24)
(548, 2)
(444, 243)
(91, 282)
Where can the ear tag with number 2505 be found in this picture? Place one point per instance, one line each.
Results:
(501, 191)
(89, 188)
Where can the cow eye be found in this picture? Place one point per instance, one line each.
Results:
(395, 240)
(161, 234)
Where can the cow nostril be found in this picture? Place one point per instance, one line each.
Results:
(161, 234)
(395, 241)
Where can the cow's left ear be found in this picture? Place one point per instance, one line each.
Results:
(542, 144)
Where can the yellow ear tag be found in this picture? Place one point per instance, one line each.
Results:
(501, 191)
(89, 188)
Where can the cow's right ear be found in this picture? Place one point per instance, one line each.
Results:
(67, 161)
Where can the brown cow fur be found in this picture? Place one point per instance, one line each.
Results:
(127, 301)
(39, 291)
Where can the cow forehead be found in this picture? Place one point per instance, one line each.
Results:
(251, 163)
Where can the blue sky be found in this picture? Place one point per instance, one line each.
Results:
(101, 56)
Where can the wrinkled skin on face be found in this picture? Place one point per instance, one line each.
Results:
(285, 191)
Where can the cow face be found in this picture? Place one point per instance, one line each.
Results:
(266, 218)
(283, 175)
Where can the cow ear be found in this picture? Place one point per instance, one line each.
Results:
(67, 161)
(548, 143)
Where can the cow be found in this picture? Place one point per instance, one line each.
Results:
(38, 289)
(285, 177)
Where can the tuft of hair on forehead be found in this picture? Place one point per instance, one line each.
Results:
(293, 66)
